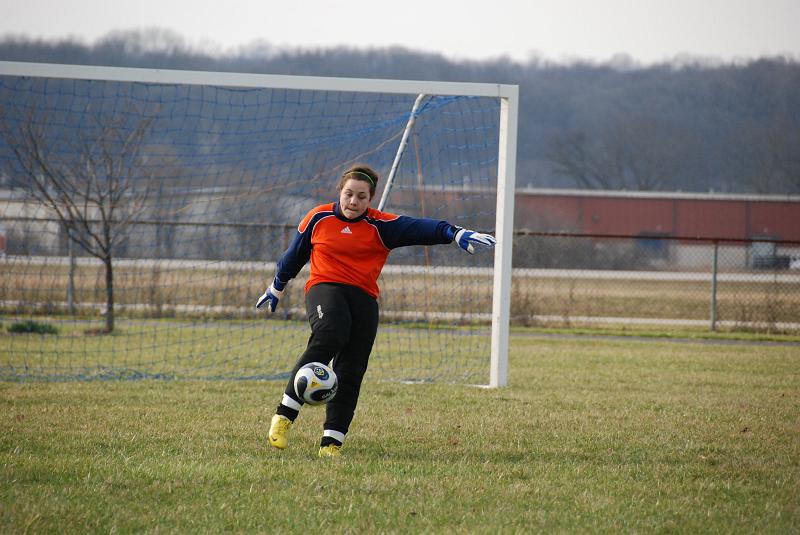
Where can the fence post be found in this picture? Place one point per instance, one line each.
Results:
(71, 275)
(714, 267)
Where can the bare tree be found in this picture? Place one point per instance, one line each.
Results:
(637, 152)
(572, 156)
(88, 176)
(767, 155)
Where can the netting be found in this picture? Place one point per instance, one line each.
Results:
(207, 185)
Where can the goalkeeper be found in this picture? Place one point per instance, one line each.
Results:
(348, 243)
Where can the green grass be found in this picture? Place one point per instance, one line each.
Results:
(592, 435)
(266, 348)
(638, 331)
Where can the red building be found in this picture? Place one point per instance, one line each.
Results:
(684, 215)
(747, 227)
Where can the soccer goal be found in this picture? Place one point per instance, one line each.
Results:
(142, 212)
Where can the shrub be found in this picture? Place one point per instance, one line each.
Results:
(30, 326)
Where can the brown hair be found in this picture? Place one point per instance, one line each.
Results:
(363, 173)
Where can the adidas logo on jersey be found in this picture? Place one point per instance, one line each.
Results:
(346, 230)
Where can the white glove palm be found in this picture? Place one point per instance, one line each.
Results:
(466, 239)
(272, 295)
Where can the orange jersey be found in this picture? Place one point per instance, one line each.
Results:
(354, 251)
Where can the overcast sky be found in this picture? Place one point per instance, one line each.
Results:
(560, 30)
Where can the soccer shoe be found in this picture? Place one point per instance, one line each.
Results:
(331, 450)
(279, 431)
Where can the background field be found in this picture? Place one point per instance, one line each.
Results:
(594, 434)
(150, 288)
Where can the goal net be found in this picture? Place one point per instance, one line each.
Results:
(190, 185)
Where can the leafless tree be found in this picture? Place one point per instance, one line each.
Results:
(766, 154)
(90, 176)
(572, 156)
(636, 152)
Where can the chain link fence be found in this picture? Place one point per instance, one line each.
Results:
(572, 280)
(564, 280)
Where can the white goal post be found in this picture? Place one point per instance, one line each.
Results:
(507, 95)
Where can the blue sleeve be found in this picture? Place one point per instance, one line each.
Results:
(405, 231)
(295, 257)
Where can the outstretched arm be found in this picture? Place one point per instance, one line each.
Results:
(403, 231)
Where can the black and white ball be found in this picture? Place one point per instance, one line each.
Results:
(315, 383)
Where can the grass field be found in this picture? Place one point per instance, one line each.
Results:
(228, 349)
(593, 435)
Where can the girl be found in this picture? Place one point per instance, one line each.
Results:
(348, 243)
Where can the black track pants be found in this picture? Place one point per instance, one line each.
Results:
(344, 321)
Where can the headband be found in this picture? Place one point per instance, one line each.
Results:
(362, 174)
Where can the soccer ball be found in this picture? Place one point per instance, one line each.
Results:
(315, 383)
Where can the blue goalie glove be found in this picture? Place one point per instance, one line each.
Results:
(467, 239)
(272, 295)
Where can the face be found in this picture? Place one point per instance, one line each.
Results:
(354, 198)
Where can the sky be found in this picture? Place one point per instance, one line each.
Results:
(646, 31)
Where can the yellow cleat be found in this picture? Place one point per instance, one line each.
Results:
(279, 431)
(331, 450)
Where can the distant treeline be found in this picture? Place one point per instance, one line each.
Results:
(690, 126)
